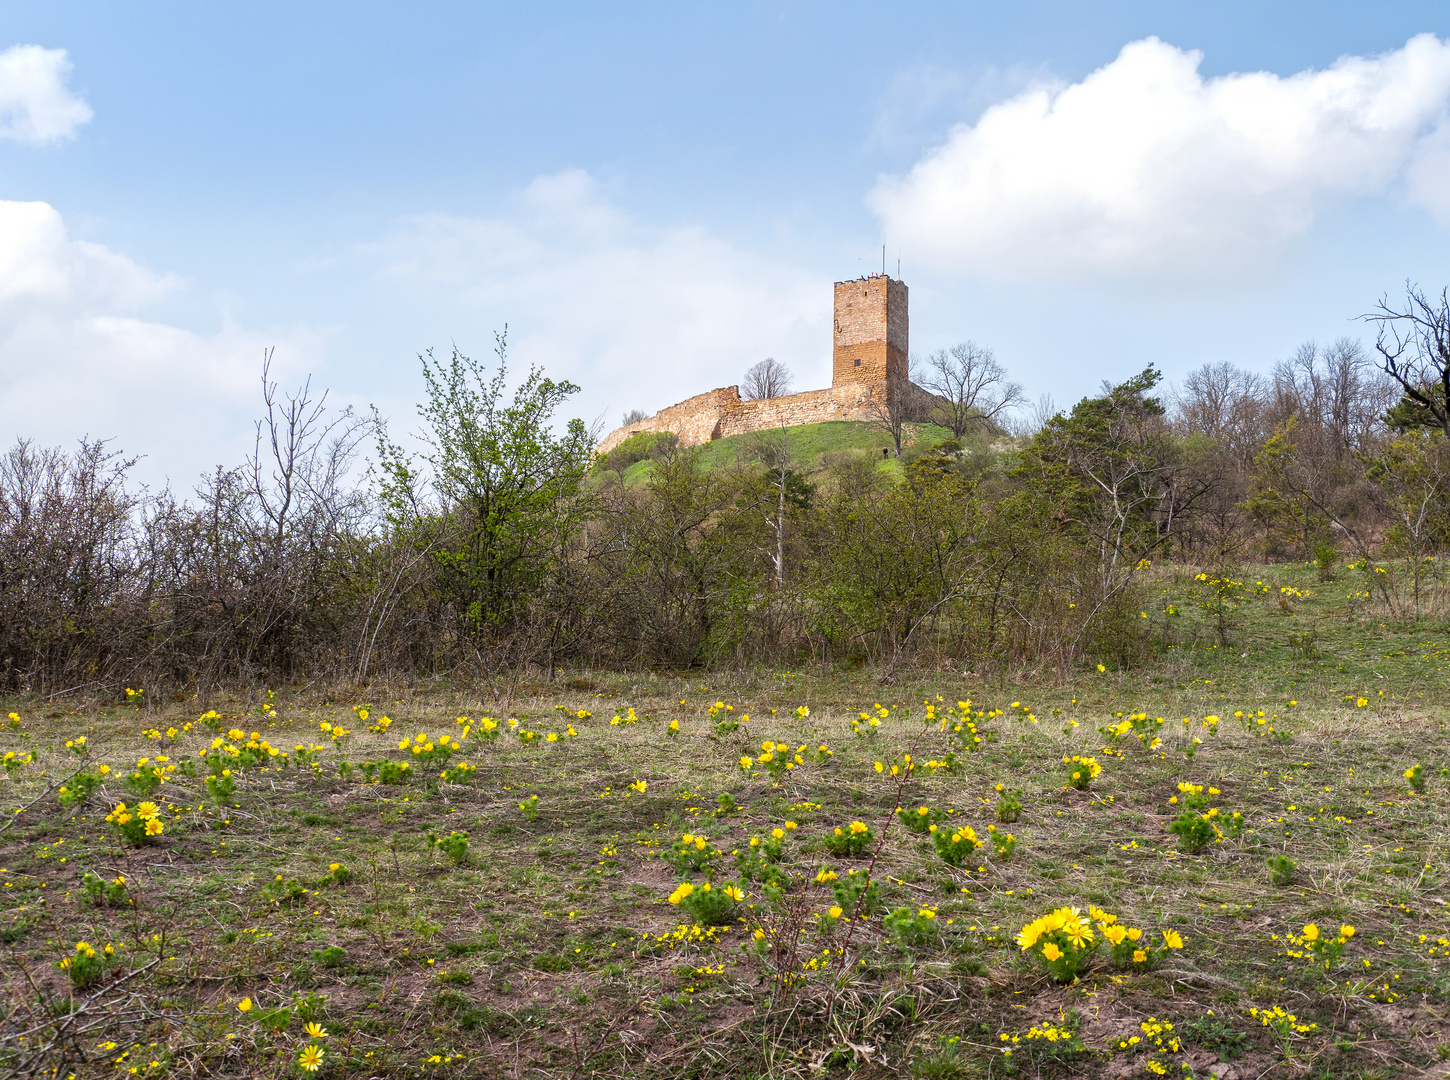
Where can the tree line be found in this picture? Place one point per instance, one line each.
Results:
(506, 545)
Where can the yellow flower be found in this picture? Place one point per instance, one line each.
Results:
(835, 912)
(681, 891)
(245, 1004)
(1346, 931)
(1029, 934)
(317, 1031)
(1051, 952)
(1172, 940)
(1139, 956)
(1078, 934)
(310, 1060)
(1311, 932)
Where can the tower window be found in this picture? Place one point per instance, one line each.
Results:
(858, 361)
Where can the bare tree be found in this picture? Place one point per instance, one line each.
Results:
(767, 379)
(634, 416)
(1229, 405)
(972, 387)
(1026, 424)
(893, 406)
(1414, 348)
(1338, 396)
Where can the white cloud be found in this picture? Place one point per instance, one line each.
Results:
(1146, 172)
(36, 106)
(640, 316)
(76, 357)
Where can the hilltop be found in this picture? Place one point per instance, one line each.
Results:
(814, 448)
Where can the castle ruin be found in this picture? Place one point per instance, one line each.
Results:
(868, 363)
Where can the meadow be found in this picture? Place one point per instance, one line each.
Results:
(1227, 861)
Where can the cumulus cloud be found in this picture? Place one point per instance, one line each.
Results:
(36, 105)
(1146, 172)
(639, 316)
(77, 357)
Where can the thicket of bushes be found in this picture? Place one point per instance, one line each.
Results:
(504, 546)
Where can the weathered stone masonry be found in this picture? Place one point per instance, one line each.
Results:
(869, 354)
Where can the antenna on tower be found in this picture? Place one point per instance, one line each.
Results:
(883, 260)
(898, 268)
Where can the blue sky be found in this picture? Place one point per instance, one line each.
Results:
(654, 197)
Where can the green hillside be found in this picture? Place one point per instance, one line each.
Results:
(814, 448)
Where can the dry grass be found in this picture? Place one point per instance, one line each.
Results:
(540, 955)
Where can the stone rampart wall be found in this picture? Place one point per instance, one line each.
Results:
(721, 412)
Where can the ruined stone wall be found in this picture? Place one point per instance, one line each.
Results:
(693, 419)
(721, 412)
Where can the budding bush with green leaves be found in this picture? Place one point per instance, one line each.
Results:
(1081, 771)
(1003, 844)
(851, 842)
(454, 845)
(690, 853)
(1281, 869)
(708, 905)
(103, 893)
(912, 926)
(954, 846)
(920, 819)
(139, 825)
(78, 789)
(855, 892)
(1009, 804)
(87, 965)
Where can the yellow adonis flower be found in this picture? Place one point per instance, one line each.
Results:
(1311, 932)
(245, 1005)
(310, 1060)
(1078, 934)
(316, 1030)
(1172, 940)
(1346, 931)
(835, 912)
(1029, 934)
(682, 890)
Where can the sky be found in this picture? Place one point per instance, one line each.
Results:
(653, 197)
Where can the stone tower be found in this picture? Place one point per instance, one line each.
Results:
(870, 336)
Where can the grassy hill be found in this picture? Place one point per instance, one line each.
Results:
(814, 448)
